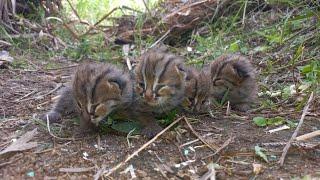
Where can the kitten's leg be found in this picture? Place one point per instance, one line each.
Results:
(64, 106)
(86, 125)
(150, 126)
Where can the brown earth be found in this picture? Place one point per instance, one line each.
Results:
(24, 94)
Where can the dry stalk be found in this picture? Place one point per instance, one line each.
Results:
(213, 147)
(48, 127)
(294, 135)
(225, 144)
(97, 23)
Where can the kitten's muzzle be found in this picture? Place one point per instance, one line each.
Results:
(149, 96)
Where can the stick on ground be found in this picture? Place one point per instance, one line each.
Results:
(308, 136)
(213, 147)
(294, 135)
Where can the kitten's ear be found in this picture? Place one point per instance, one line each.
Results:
(116, 84)
(241, 69)
(181, 71)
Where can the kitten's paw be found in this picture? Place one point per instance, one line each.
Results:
(151, 131)
(241, 107)
(54, 117)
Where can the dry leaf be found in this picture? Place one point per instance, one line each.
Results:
(22, 143)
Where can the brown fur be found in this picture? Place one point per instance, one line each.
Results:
(99, 90)
(235, 75)
(160, 80)
(65, 105)
(159, 86)
(197, 90)
(96, 91)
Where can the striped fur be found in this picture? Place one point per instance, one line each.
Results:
(160, 80)
(99, 90)
(234, 74)
(96, 91)
(197, 90)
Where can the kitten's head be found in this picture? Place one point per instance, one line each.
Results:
(197, 90)
(228, 72)
(99, 89)
(160, 80)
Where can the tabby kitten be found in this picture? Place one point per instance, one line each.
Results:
(96, 91)
(159, 86)
(233, 75)
(99, 90)
(197, 91)
(160, 80)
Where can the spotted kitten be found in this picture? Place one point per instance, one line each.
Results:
(233, 75)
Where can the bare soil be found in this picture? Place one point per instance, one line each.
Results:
(24, 94)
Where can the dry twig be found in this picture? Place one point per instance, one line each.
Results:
(76, 170)
(48, 127)
(225, 144)
(294, 135)
(213, 147)
(308, 135)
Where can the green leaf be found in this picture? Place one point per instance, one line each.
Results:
(260, 49)
(291, 124)
(260, 121)
(258, 151)
(234, 47)
(127, 126)
(275, 121)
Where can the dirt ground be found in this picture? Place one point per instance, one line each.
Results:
(24, 94)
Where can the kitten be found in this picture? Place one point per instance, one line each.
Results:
(160, 80)
(96, 91)
(197, 91)
(234, 75)
(159, 85)
(99, 90)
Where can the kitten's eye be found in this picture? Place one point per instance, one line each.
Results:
(191, 100)
(159, 86)
(141, 84)
(218, 82)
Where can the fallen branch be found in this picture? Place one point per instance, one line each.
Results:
(213, 147)
(294, 135)
(109, 172)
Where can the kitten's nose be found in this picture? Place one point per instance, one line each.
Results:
(149, 95)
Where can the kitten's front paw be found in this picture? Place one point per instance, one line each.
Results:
(151, 131)
(54, 117)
